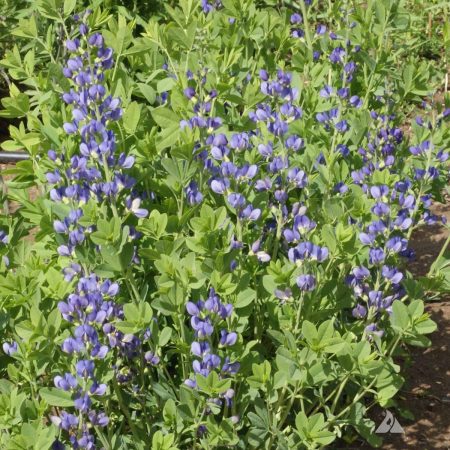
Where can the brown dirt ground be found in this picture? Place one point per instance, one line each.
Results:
(426, 392)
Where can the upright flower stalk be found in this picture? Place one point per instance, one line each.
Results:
(94, 173)
(273, 265)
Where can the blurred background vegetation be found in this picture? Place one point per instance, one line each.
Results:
(31, 41)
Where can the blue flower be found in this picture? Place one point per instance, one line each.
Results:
(306, 282)
(66, 382)
(194, 196)
(10, 348)
(359, 311)
(296, 18)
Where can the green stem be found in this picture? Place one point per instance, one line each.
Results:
(374, 71)
(125, 411)
(142, 394)
(198, 423)
(339, 393)
(307, 28)
(287, 410)
(109, 179)
(356, 399)
(270, 416)
(363, 392)
(441, 254)
(169, 379)
(421, 192)
(394, 345)
(299, 312)
(278, 235)
(183, 337)
(181, 205)
(132, 286)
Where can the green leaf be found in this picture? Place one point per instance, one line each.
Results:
(138, 314)
(325, 331)
(131, 117)
(425, 327)
(164, 336)
(17, 106)
(127, 327)
(131, 312)
(212, 384)
(399, 318)
(309, 331)
(301, 421)
(165, 85)
(324, 437)
(162, 442)
(170, 411)
(56, 397)
(69, 6)
(155, 225)
(244, 298)
(168, 137)
(416, 308)
(148, 92)
(329, 237)
(48, 8)
(165, 118)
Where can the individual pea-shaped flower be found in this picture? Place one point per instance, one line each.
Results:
(236, 200)
(10, 348)
(98, 419)
(367, 238)
(396, 244)
(265, 150)
(200, 348)
(227, 338)
(306, 282)
(295, 19)
(263, 185)
(85, 368)
(66, 382)
(373, 330)
(376, 256)
(65, 421)
(359, 312)
(189, 93)
(220, 186)
(391, 274)
(151, 358)
(283, 294)
(71, 345)
(3, 237)
(294, 142)
(230, 368)
(133, 206)
(297, 177)
(194, 196)
(97, 389)
(361, 272)
(250, 213)
(203, 328)
(82, 402)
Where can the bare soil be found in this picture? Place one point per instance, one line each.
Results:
(426, 392)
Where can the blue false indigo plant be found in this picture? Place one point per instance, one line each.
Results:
(219, 257)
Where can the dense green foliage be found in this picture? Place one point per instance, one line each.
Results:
(217, 254)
